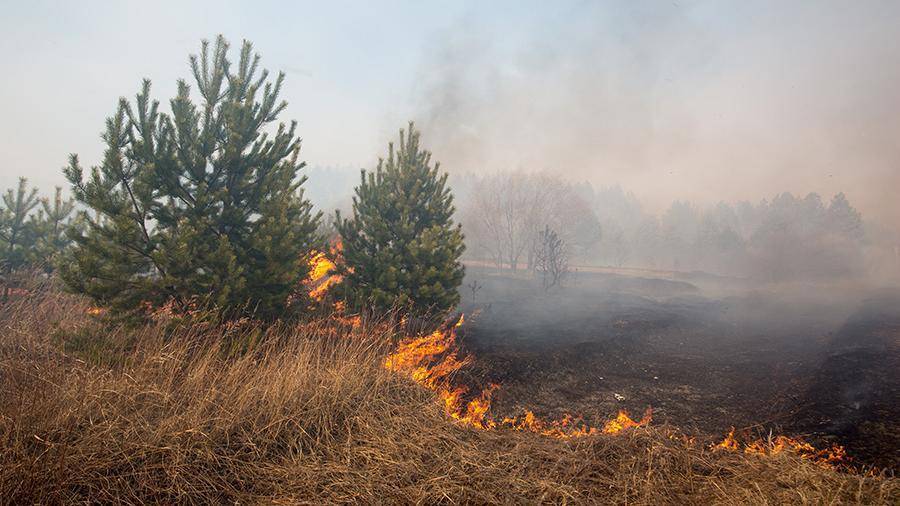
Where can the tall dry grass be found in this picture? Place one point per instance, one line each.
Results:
(308, 415)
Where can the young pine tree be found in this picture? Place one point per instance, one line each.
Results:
(401, 247)
(203, 205)
(53, 222)
(18, 230)
(29, 238)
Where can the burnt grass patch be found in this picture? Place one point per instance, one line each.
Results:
(705, 356)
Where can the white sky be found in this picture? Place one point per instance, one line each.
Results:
(702, 100)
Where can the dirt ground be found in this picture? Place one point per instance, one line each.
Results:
(706, 353)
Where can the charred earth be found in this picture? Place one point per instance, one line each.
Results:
(707, 354)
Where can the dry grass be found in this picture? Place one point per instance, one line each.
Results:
(309, 417)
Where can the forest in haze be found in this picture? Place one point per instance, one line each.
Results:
(783, 237)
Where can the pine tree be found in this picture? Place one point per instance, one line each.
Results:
(401, 247)
(203, 204)
(18, 228)
(53, 221)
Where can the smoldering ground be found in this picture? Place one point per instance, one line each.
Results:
(705, 353)
(700, 103)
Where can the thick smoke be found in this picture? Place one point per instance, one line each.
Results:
(698, 101)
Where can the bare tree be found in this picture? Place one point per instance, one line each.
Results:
(551, 260)
(504, 216)
(474, 287)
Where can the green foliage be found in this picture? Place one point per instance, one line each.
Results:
(401, 247)
(32, 236)
(200, 206)
(18, 227)
(54, 221)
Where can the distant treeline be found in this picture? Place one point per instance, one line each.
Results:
(787, 237)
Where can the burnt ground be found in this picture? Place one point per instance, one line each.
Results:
(705, 353)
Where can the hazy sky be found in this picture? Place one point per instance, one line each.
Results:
(702, 100)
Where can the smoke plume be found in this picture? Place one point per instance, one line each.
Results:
(688, 100)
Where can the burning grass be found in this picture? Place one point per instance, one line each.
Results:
(432, 360)
(311, 415)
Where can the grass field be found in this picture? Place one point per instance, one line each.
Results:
(307, 414)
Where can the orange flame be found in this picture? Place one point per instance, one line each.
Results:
(622, 422)
(833, 456)
(729, 443)
(323, 270)
(433, 360)
(322, 275)
(571, 427)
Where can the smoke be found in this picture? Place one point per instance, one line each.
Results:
(701, 101)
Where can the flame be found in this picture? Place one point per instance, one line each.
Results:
(320, 266)
(321, 275)
(433, 361)
(832, 457)
(563, 428)
(323, 271)
(729, 443)
(571, 426)
(95, 311)
(622, 422)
